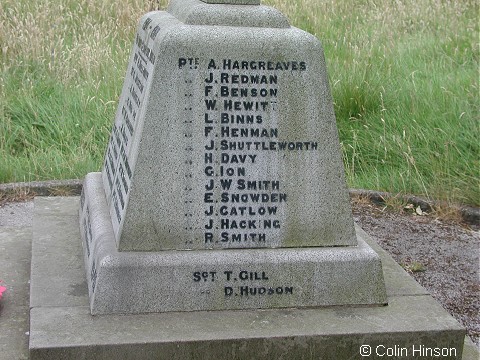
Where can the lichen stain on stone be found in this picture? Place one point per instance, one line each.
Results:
(79, 289)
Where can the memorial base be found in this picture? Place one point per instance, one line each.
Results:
(62, 327)
(140, 282)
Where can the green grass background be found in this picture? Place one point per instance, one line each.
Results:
(404, 77)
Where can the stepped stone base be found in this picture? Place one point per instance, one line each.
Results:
(62, 327)
(140, 282)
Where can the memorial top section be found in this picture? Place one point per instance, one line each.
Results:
(233, 2)
(227, 13)
(225, 137)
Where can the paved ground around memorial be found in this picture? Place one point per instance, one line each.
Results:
(442, 256)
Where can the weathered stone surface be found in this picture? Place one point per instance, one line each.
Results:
(224, 143)
(15, 245)
(136, 282)
(225, 137)
(194, 12)
(63, 328)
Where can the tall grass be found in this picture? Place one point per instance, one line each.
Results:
(404, 76)
(62, 69)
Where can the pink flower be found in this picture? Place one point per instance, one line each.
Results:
(2, 289)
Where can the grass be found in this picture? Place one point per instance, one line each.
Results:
(404, 76)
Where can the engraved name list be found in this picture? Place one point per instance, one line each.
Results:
(244, 195)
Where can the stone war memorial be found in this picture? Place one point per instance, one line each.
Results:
(220, 224)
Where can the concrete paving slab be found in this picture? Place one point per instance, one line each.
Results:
(470, 351)
(15, 245)
(276, 334)
(17, 214)
(67, 330)
(58, 275)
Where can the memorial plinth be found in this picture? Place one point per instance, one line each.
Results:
(62, 327)
(222, 190)
(223, 184)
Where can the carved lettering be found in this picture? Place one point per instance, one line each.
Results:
(237, 208)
